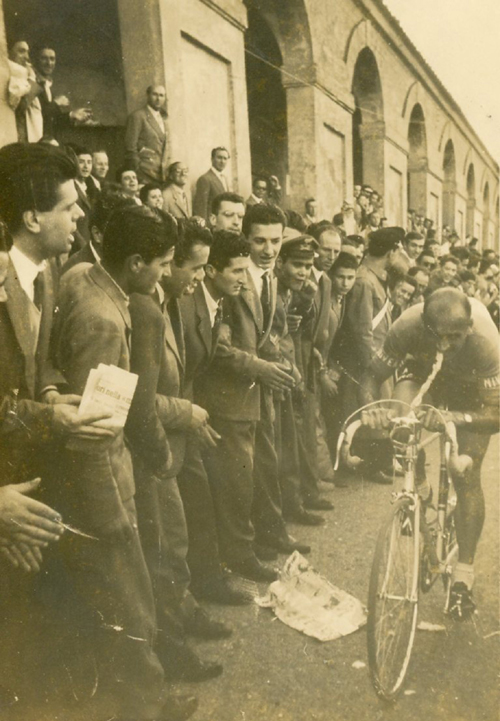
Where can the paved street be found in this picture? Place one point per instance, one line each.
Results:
(273, 673)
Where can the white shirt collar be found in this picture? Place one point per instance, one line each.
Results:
(157, 115)
(26, 270)
(221, 177)
(161, 294)
(82, 185)
(256, 199)
(212, 304)
(94, 251)
(318, 274)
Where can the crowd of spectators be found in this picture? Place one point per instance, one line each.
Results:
(248, 327)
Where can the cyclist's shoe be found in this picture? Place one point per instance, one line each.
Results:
(461, 606)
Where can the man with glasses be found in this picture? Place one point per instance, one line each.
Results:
(176, 200)
(259, 191)
(228, 211)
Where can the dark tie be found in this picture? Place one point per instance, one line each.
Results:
(216, 325)
(38, 290)
(265, 299)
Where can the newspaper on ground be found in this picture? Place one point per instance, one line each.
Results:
(109, 389)
(306, 601)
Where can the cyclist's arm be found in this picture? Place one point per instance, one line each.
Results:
(487, 418)
(377, 372)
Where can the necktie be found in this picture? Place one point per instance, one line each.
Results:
(216, 325)
(38, 290)
(265, 299)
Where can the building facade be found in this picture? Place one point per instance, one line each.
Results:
(322, 94)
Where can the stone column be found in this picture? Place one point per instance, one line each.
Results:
(417, 172)
(469, 218)
(449, 190)
(373, 139)
(302, 167)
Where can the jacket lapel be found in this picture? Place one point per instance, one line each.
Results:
(177, 196)
(250, 297)
(152, 121)
(18, 306)
(203, 319)
(99, 276)
(170, 338)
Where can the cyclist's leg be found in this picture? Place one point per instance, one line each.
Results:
(469, 513)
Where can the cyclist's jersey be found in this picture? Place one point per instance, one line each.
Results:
(471, 373)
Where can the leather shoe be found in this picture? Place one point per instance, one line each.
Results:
(264, 553)
(202, 626)
(318, 504)
(304, 518)
(253, 569)
(180, 663)
(289, 546)
(219, 591)
(178, 708)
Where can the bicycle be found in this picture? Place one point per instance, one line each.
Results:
(411, 553)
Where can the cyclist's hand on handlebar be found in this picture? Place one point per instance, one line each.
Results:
(434, 420)
(378, 418)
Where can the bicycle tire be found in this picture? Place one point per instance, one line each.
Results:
(393, 598)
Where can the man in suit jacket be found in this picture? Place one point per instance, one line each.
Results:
(56, 112)
(176, 200)
(201, 316)
(329, 245)
(38, 205)
(146, 137)
(232, 395)
(94, 326)
(259, 191)
(25, 523)
(212, 183)
(41, 223)
(159, 354)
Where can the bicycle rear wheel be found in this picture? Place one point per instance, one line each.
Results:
(393, 598)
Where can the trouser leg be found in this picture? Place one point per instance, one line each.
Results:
(111, 576)
(164, 537)
(203, 550)
(267, 505)
(230, 472)
(289, 467)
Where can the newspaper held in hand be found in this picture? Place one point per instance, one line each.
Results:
(109, 389)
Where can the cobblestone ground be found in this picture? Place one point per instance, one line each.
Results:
(273, 673)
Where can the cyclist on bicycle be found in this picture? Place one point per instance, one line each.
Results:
(467, 386)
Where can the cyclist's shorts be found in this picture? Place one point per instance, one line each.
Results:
(444, 391)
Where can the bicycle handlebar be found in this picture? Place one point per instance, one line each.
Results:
(458, 464)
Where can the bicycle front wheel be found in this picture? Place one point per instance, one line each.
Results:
(393, 598)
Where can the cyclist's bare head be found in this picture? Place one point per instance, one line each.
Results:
(448, 318)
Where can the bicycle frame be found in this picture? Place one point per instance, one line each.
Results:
(406, 454)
